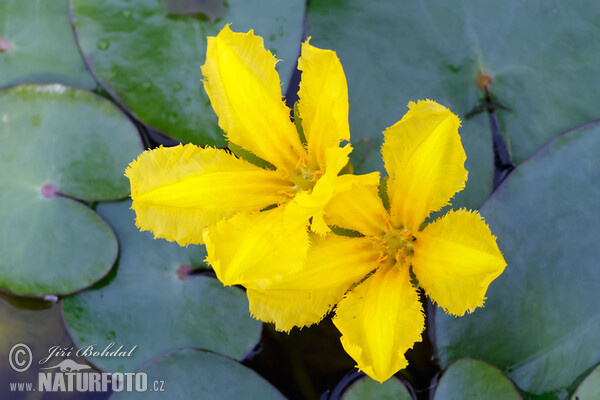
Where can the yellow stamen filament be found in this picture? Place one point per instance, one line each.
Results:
(316, 176)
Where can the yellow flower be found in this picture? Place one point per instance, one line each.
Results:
(253, 220)
(454, 258)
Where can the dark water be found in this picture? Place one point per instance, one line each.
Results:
(37, 324)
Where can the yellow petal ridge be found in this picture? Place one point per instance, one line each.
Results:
(380, 320)
(455, 260)
(178, 191)
(245, 92)
(424, 158)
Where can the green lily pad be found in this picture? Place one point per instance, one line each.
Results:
(197, 374)
(541, 320)
(37, 45)
(68, 138)
(152, 302)
(541, 63)
(149, 53)
(589, 389)
(57, 141)
(475, 380)
(367, 389)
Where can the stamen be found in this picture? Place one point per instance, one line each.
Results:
(286, 193)
(382, 258)
(302, 163)
(316, 175)
(400, 255)
(388, 224)
(396, 245)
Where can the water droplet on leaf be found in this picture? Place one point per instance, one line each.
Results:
(173, 117)
(103, 44)
(51, 298)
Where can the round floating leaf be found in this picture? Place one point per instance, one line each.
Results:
(589, 389)
(475, 380)
(367, 389)
(541, 320)
(37, 45)
(67, 139)
(57, 141)
(542, 64)
(196, 374)
(149, 53)
(51, 245)
(152, 302)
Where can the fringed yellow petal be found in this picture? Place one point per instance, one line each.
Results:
(455, 260)
(380, 320)
(336, 158)
(178, 191)
(245, 92)
(359, 207)
(333, 265)
(323, 103)
(424, 158)
(257, 249)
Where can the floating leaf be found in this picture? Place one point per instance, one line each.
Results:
(589, 389)
(541, 63)
(37, 45)
(541, 320)
(57, 141)
(150, 58)
(475, 380)
(367, 389)
(153, 302)
(196, 374)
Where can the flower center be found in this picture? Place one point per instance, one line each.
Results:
(396, 246)
(305, 179)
